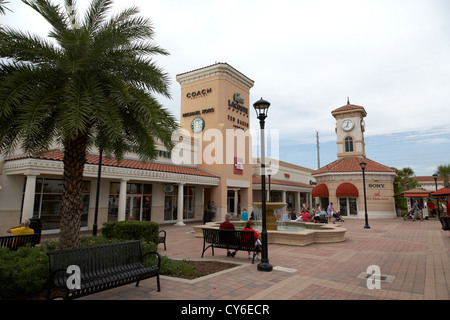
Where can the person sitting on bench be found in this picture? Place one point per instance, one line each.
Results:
(22, 229)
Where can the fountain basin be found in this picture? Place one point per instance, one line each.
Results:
(310, 233)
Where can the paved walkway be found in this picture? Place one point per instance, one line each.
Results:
(413, 258)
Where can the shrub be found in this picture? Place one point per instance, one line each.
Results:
(132, 230)
(24, 272)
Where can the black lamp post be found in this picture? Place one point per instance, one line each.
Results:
(363, 168)
(99, 175)
(262, 107)
(269, 171)
(435, 176)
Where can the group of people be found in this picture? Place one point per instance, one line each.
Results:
(315, 215)
(248, 227)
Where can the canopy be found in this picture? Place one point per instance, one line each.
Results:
(416, 193)
(347, 189)
(441, 192)
(321, 190)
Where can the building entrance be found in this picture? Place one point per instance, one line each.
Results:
(138, 208)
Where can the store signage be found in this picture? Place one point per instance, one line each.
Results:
(198, 94)
(168, 188)
(236, 104)
(197, 112)
(238, 166)
(376, 185)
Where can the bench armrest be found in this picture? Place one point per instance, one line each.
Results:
(155, 253)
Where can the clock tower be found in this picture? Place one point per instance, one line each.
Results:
(350, 127)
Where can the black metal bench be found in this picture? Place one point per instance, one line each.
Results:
(230, 240)
(13, 242)
(162, 238)
(101, 268)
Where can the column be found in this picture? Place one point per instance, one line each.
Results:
(28, 200)
(180, 205)
(298, 200)
(122, 200)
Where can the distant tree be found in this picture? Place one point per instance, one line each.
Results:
(402, 182)
(93, 83)
(443, 171)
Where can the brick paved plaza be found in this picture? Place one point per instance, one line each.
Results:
(413, 258)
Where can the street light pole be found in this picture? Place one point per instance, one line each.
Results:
(269, 171)
(363, 168)
(435, 176)
(262, 107)
(99, 174)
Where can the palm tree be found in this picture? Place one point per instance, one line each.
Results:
(3, 6)
(94, 81)
(443, 171)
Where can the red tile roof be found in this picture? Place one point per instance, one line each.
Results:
(58, 155)
(257, 180)
(416, 193)
(352, 165)
(441, 192)
(349, 107)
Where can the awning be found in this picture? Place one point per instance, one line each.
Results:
(321, 190)
(441, 192)
(416, 193)
(347, 189)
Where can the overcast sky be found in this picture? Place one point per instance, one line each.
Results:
(306, 57)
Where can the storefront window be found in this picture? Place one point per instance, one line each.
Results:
(348, 206)
(48, 199)
(138, 201)
(276, 196)
(171, 203)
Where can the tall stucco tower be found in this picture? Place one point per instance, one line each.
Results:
(215, 112)
(350, 127)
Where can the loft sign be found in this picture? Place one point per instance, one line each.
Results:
(198, 94)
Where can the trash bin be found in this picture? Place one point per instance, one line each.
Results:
(36, 225)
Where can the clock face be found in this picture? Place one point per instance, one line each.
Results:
(363, 125)
(197, 125)
(347, 125)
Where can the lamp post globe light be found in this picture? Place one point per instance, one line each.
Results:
(363, 168)
(262, 107)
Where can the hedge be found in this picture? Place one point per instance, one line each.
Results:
(146, 231)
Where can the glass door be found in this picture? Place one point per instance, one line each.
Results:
(343, 208)
(133, 208)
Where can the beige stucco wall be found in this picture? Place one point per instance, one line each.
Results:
(379, 192)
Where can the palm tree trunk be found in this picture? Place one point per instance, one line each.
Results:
(74, 160)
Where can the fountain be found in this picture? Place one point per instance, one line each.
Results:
(271, 219)
(298, 233)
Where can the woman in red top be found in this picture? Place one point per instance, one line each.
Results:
(249, 227)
